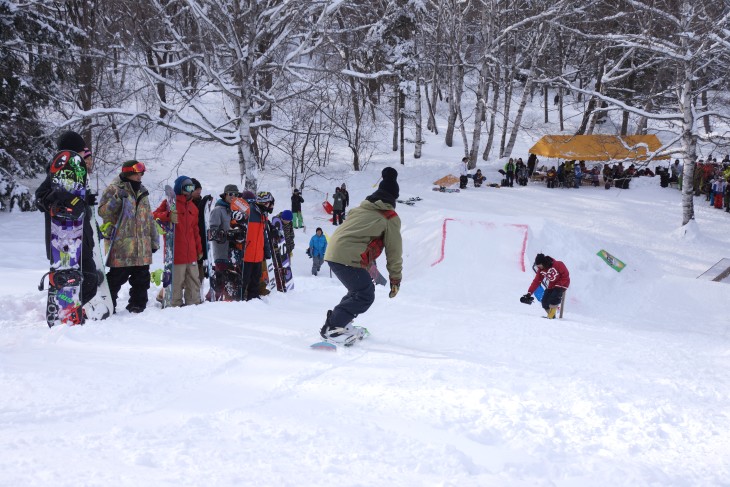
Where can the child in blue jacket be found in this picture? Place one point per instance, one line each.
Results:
(316, 250)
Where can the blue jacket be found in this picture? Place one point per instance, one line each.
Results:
(318, 244)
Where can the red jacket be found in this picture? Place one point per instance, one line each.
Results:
(557, 276)
(187, 235)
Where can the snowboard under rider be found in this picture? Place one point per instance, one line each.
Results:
(130, 233)
(50, 196)
(369, 228)
(557, 277)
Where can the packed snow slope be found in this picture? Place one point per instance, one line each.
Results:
(460, 384)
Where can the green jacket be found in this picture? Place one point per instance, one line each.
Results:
(352, 242)
(134, 236)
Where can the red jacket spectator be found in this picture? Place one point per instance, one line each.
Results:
(188, 246)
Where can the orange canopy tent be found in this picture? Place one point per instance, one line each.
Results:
(597, 147)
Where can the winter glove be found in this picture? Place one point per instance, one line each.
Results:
(527, 299)
(309, 252)
(394, 288)
(91, 199)
(173, 217)
(106, 229)
(156, 277)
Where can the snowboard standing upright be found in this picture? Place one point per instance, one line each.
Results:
(100, 307)
(280, 256)
(68, 172)
(169, 256)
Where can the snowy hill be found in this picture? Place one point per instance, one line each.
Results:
(459, 384)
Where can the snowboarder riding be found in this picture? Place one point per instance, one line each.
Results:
(370, 228)
(557, 277)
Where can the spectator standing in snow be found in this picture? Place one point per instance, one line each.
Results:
(296, 209)
(132, 235)
(188, 247)
(464, 172)
(346, 199)
(509, 171)
(316, 250)
(200, 203)
(50, 196)
(338, 207)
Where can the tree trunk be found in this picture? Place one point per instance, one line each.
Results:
(545, 100)
(560, 109)
(419, 121)
(493, 116)
(396, 106)
(706, 118)
(449, 139)
(689, 143)
(402, 118)
(479, 111)
(507, 104)
(518, 118)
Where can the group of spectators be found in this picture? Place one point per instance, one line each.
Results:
(710, 178)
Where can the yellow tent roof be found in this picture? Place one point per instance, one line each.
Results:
(597, 147)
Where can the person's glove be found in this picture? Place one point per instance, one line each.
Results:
(106, 229)
(91, 199)
(173, 217)
(394, 288)
(309, 252)
(527, 299)
(156, 277)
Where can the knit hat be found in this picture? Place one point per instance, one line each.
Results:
(286, 215)
(196, 183)
(248, 195)
(181, 182)
(70, 140)
(388, 189)
(230, 188)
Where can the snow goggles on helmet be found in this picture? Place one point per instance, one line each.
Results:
(264, 197)
(188, 188)
(137, 167)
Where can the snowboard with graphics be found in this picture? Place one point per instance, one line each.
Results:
(169, 255)
(68, 173)
(282, 260)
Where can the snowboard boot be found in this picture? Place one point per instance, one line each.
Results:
(341, 335)
(551, 313)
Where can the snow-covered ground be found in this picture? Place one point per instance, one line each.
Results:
(460, 384)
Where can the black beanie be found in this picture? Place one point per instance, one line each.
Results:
(388, 190)
(196, 183)
(70, 140)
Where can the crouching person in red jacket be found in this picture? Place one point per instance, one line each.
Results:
(557, 277)
(188, 247)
